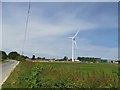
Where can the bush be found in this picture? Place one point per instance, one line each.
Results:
(3, 55)
(33, 80)
(20, 58)
(13, 55)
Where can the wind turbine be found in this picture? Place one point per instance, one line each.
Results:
(74, 43)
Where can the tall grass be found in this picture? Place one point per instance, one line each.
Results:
(63, 75)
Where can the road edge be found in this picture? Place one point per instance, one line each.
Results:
(9, 74)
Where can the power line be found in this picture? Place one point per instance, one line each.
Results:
(26, 27)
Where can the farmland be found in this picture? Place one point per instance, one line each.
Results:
(63, 75)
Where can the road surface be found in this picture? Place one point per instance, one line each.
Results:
(6, 69)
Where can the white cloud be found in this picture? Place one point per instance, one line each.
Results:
(86, 48)
(13, 34)
(49, 38)
(58, 50)
(66, 26)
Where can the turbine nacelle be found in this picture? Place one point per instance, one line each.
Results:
(73, 39)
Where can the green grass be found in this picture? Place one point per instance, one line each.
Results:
(5, 61)
(63, 75)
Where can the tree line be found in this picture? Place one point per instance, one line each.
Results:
(12, 55)
(16, 56)
(83, 59)
(88, 59)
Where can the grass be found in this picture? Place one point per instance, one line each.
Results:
(5, 61)
(63, 75)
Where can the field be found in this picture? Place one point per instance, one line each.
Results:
(63, 75)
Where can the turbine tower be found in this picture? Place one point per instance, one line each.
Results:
(74, 43)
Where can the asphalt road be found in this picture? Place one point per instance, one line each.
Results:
(6, 69)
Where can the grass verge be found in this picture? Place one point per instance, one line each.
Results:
(63, 75)
(5, 61)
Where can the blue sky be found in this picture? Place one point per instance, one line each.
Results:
(50, 25)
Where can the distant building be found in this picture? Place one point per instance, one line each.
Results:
(76, 60)
(117, 62)
(103, 60)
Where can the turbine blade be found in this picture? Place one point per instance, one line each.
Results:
(75, 44)
(76, 34)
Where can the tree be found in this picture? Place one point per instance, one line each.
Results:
(65, 58)
(38, 57)
(26, 57)
(3, 55)
(33, 57)
(13, 55)
(69, 59)
(20, 58)
(88, 59)
(43, 58)
(78, 58)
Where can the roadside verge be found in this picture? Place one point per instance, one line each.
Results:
(6, 73)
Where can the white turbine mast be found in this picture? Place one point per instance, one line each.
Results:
(74, 43)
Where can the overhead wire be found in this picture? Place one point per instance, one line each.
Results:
(26, 27)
